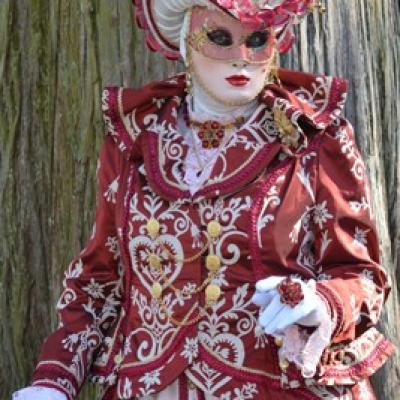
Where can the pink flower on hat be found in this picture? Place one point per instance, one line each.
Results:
(277, 13)
(270, 12)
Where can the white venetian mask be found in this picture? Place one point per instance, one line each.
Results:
(229, 62)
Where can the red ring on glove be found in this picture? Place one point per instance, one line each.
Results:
(290, 292)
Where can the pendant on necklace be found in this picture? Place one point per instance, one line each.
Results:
(211, 133)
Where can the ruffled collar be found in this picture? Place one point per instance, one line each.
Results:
(315, 100)
(143, 123)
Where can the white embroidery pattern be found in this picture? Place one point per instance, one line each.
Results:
(83, 344)
(349, 148)
(155, 330)
(113, 246)
(94, 289)
(127, 386)
(321, 214)
(150, 379)
(215, 334)
(360, 237)
(191, 349)
(246, 392)
(305, 256)
(111, 193)
(74, 270)
(362, 205)
(319, 97)
(304, 176)
(271, 199)
(373, 299)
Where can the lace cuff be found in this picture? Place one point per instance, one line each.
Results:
(306, 350)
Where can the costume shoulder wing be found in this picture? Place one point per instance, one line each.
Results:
(130, 112)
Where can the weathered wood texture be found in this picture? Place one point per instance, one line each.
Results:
(55, 57)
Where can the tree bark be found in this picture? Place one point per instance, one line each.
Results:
(55, 58)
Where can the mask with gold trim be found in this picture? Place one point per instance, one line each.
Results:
(219, 36)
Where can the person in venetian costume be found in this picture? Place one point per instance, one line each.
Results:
(235, 254)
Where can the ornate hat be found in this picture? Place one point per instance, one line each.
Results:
(162, 20)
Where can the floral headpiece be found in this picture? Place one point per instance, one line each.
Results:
(162, 20)
(281, 14)
(268, 12)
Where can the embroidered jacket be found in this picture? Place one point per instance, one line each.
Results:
(285, 207)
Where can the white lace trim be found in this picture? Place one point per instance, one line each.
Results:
(306, 350)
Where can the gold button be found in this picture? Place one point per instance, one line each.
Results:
(284, 365)
(153, 227)
(154, 261)
(156, 290)
(279, 341)
(214, 229)
(212, 293)
(118, 359)
(213, 263)
(121, 337)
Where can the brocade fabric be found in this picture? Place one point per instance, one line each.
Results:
(303, 211)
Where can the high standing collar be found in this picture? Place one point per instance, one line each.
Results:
(143, 123)
(307, 98)
(314, 99)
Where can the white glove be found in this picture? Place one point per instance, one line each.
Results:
(275, 316)
(282, 320)
(38, 393)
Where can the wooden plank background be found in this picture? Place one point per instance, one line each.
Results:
(55, 57)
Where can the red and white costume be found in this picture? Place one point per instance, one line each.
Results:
(302, 211)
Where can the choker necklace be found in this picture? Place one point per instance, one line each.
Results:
(210, 132)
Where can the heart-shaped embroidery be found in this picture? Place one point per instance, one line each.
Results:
(141, 247)
(227, 346)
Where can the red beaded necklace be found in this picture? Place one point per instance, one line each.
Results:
(210, 132)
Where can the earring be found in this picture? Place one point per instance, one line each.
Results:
(273, 75)
(188, 80)
(188, 72)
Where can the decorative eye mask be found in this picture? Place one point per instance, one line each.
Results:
(219, 36)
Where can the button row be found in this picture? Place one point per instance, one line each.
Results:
(153, 228)
(213, 262)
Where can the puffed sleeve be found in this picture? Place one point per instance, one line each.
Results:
(352, 282)
(91, 299)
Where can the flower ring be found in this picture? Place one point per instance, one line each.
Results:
(291, 292)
